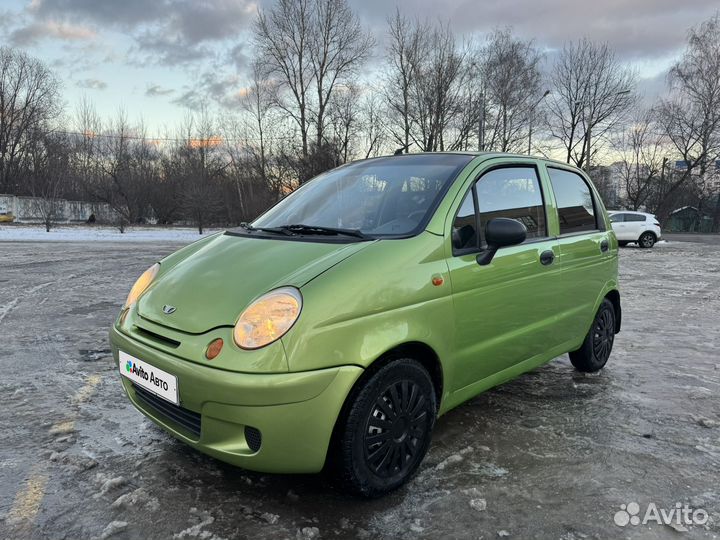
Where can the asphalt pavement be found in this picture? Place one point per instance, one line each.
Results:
(552, 454)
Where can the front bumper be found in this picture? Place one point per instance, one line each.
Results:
(294, 412)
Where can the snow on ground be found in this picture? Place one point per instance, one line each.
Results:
(15, 233)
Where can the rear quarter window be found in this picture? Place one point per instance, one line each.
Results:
(575, 203)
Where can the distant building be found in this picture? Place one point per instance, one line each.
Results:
(689, 219)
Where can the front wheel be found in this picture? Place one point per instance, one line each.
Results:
(387, 429)
(595, 350)
(647, 240)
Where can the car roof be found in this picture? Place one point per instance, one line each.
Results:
(630, 212)
(486, 156)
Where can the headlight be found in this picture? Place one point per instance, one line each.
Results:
(142, 284)
(268, 318)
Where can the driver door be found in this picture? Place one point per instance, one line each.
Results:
(504, 311)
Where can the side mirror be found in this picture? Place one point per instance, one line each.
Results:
(501, 232)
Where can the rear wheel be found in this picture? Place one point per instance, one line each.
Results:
(595, 350)
(647, 240)
(387, 429)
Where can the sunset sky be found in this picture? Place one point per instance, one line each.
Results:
(159, 58)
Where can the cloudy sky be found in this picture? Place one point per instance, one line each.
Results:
(157, 58)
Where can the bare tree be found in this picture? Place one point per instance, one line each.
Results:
(373, 131)
(29, 99)
(251, 145)
(407, 45)
(338, 47)
(128, 166)
(438, 98)
(85, 158)
(258, 104)
(591, 95)
(344, 121)
(115, 188)
(49, 172)
(283, 35)
(310, 47)
(690, 117)
(199, 163)
(511, 81)
(642, 147)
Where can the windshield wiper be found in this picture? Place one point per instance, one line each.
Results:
(276, 230)
(316, 229)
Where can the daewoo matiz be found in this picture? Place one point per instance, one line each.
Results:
(342, 322)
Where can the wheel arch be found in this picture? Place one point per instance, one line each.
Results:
(415, 350)
(647, 231)
(614, 297)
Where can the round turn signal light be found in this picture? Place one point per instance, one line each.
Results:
(214, 348)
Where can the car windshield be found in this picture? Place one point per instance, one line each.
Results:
(390, 196)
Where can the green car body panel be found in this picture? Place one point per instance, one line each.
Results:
(482, 326)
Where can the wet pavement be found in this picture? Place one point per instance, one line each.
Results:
(552, 454)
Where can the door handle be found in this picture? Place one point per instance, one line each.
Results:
(547, 257)
(604, 246)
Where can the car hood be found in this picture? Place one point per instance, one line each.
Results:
(213, 285)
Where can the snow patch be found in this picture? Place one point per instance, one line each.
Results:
(454, 458)
(101, 234)
(7, 308)
(112, 528)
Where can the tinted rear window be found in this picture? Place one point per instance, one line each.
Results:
(576, 208)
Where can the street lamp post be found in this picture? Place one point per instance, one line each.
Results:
(589, 138)
(532, 119)
(481, 125)
(481, 120)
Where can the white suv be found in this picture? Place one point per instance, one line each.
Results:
(635, 227)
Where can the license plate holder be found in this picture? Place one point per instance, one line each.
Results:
(153, 379)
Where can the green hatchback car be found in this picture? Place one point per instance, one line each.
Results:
(335, 328)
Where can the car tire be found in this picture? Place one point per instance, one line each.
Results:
(595, 350)
(623, 243)
(646, 240)
(378, 450)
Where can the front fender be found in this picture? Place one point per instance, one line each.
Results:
(381, 298)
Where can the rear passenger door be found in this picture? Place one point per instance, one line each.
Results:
(634, 226)
(586, 257)
(504, 312)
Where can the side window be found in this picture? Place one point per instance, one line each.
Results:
(617, 218)
(464, 231)
(512, 192)
(634, 217)
(576, 208)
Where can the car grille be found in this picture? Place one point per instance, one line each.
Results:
(187, 419)
(253, 438)
(155, 337)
